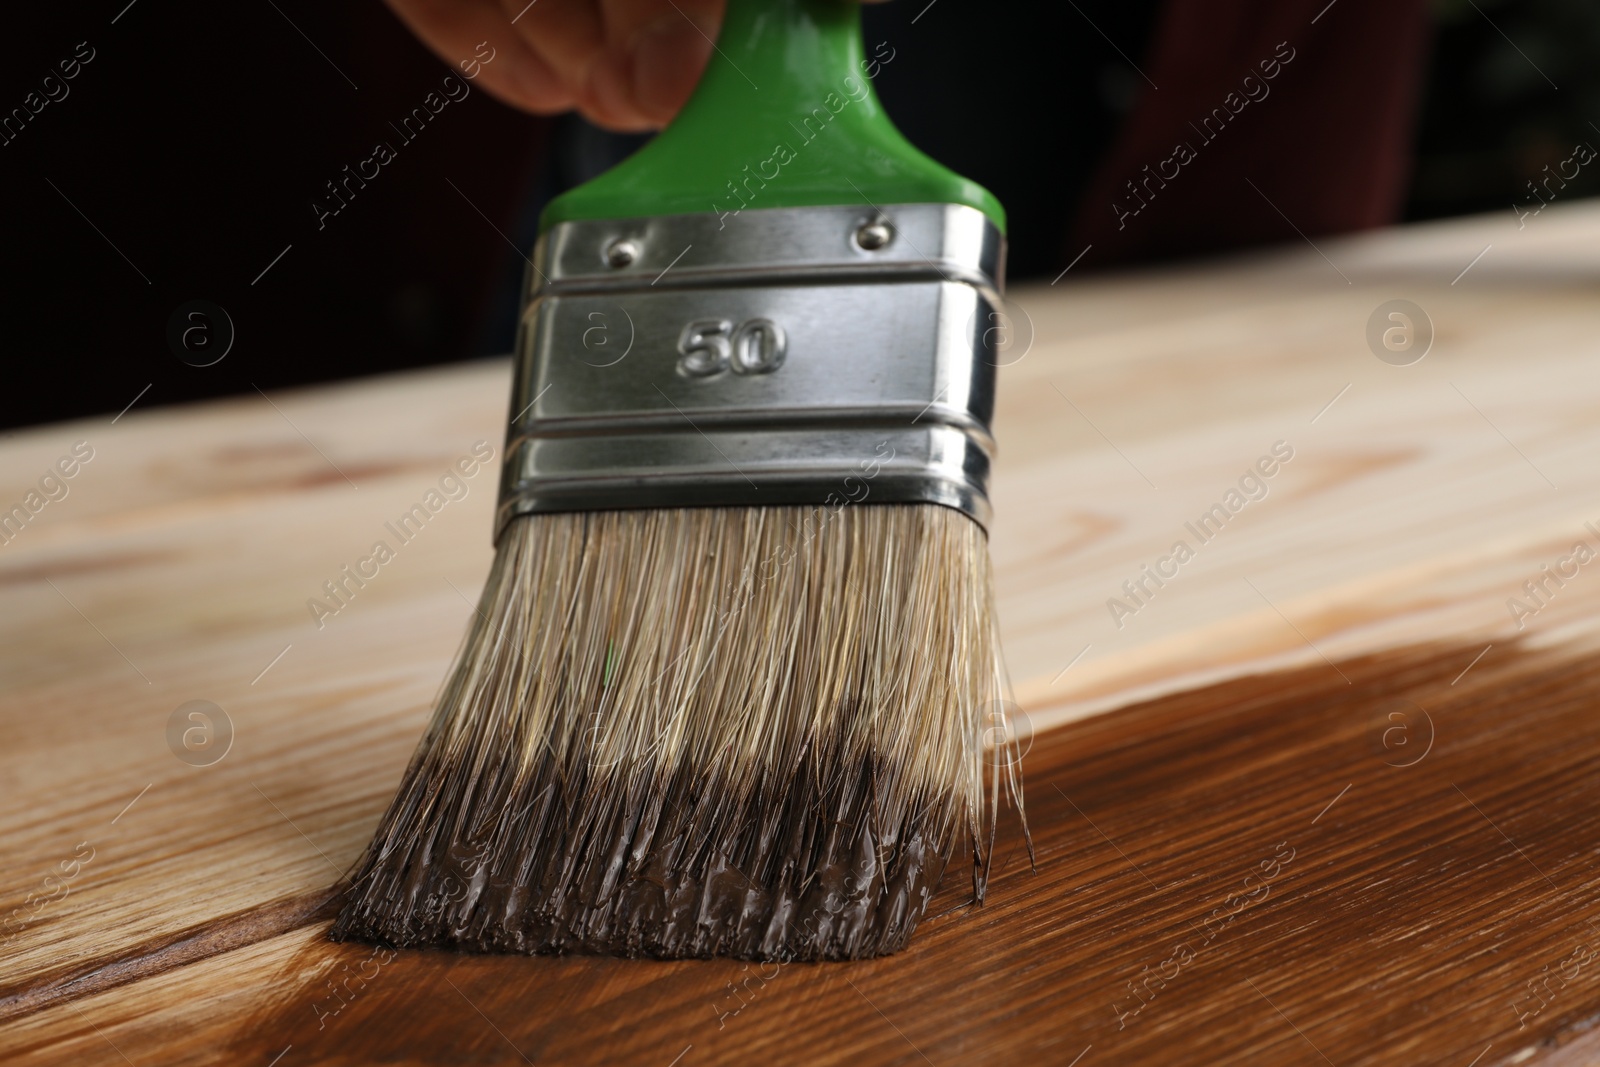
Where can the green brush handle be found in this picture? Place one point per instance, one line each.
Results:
(784, 116)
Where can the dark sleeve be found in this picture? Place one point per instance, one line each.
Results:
(1326, 137)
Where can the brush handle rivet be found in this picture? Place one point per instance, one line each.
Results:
(874, 235)
(621, 253)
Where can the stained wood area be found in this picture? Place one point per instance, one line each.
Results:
(1341, 807)
(1290, 868)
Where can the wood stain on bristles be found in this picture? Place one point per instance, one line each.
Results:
(747, 732)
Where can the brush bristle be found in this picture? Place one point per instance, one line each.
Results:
(747, 732)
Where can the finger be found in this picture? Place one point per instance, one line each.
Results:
(456, 30)
(566, 34)
(607, 100)
(656, 51)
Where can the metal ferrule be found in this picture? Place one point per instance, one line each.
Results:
(821, 355)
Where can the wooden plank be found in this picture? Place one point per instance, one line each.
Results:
(1279, 884)
(178, 568)
(179, 564)
(1415, 505)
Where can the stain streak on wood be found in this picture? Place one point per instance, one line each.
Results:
(223, 935)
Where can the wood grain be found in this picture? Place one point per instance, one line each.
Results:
(1306, 890)
(178, 568)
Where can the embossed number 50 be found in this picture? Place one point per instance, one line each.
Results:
(711, 346)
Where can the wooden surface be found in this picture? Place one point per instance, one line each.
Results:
(1410, 920)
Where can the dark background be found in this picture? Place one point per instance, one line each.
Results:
(185, 158)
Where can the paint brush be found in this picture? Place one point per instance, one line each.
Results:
(733, 687)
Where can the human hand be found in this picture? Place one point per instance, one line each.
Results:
(623, 64)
